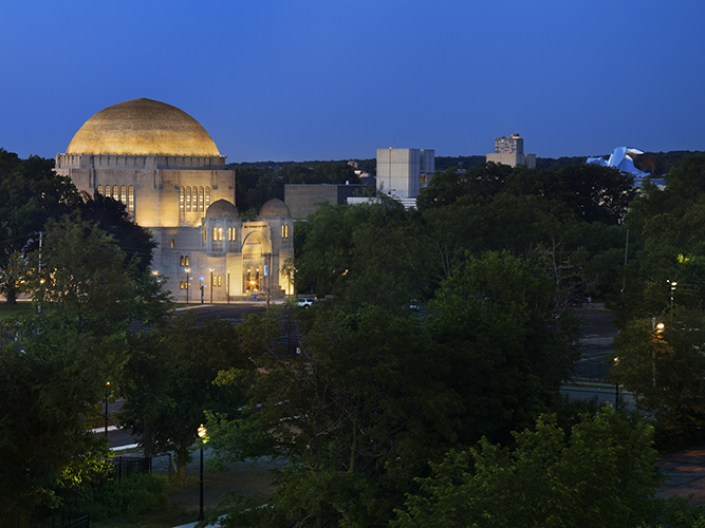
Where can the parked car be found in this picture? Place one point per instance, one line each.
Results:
(305, 302)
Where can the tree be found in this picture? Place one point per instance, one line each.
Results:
(508, 350)
(112, 217)
(357, 414)
(89, 305)
(30, 194)
(663, 363)
(601, 474)
(381, 259)
(169, 384)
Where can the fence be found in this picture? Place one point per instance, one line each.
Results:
(124, 466)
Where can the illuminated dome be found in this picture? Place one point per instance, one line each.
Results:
(222, 209)
(142, 127)
(275, 207)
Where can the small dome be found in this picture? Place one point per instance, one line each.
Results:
(275, 207)
(142, 127)
(222, 209)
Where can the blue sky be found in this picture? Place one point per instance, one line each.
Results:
(336, 79)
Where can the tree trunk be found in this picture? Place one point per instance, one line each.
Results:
(11, 296)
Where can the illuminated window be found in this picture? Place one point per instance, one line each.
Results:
(208, 197)
(182, 198)
(220, 280)
(131, 198)
(181, 285)
(217, 234)
(200, 198)
(232, 233)
(181, 261)
(285, 231)
(100, 189)
(188, 199)
(123, 194)
(172, 243)
(187, 260)
(116, 192)
(213, 280)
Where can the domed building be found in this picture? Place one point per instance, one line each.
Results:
(163, 165)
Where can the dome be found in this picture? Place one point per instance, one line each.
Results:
(222, 209)
(142, 127)
(275, 207)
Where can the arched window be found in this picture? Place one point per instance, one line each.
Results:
(201, 198)
(100, 189)
(220, 278)
(116, 192)
(208, 197)
(188, 199)
(181, 285)
(285, 231)
(232, 233)
(182, 198)
(172, 243)
(181, 261)
(217, 234)
(131, 198)
(123, 194)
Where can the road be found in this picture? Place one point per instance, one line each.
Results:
(595, 345)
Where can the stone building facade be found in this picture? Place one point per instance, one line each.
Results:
(162, 164)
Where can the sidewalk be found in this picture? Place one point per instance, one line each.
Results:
(685, 471)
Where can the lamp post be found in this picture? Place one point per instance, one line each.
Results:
(201, 433)
(187, 270)
(211, 270)
(107, 397)
(616, 387)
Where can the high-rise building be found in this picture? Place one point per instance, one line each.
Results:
(510, 151)
(404, 172)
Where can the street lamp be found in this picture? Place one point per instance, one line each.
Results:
(673, 290)
(211, 270)
(616, 387)
(187, 270)
(107, 397)
(201, 433)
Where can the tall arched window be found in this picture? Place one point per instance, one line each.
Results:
(201, 198)
(208, 197)
(188, 199)
(232, 233)
(100, 189)
(217, 234)
(182, 198)
(116, 192)
(131, 198)
(123, 194)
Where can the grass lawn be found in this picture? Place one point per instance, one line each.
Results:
(16, 309)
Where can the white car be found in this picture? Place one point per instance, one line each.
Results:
(305, 302)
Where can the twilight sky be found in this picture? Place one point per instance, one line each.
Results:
(336, 79)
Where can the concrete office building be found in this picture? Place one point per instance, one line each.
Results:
(510, 151)
(162, 164)
(403, 173)
(303, 199)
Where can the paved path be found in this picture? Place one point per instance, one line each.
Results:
(685, 471)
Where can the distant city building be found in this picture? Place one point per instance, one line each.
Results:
(162, 164)
(510, 151)
(304, 199)
(632, 161)
(403, 173)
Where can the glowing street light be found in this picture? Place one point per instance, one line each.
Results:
(187, 270)
(202, 434)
